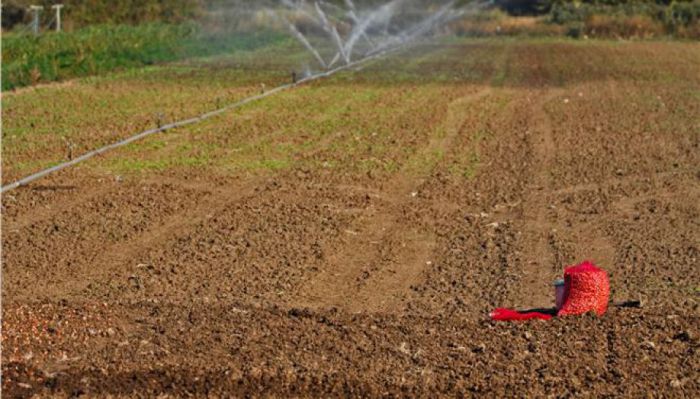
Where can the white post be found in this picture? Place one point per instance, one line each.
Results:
(58, 7)
(36, 10)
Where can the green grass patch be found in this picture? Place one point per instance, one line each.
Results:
(130, 165)
(36, 165)
(146, 145)
(29, 59)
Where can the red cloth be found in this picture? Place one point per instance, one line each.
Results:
(586, 288)
(503, 314)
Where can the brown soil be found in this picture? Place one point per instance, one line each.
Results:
(331, 282)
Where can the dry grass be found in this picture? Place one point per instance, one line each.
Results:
(637, 26)
(506, 26)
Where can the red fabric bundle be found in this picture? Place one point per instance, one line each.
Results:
(586, 288)
(503, 314)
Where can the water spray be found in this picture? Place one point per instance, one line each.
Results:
(302, 39)
(361, 23)
(332, 30)
(380, 15)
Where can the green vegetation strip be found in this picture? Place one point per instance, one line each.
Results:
(186, 122)
(29, 59)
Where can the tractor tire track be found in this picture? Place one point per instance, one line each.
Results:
(538, 265)
(385, 249)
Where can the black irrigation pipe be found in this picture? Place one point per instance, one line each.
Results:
(185, 122)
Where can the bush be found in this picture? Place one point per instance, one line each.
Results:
(617, 18)
(567, 13)
(524, 7)
(689, 32)
(637, 26)
(682, 15)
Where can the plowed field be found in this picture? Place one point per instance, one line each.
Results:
(351, 235)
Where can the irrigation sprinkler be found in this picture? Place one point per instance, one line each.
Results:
(57, 8)
(159, 119)
(36, 10)
(69, 148)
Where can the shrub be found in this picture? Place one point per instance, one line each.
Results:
(618, 18)
(636, 26)
(682, 16)
(689, 32)
(524, 7)
(567, 13)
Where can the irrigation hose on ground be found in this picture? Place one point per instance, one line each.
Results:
(185, 122)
